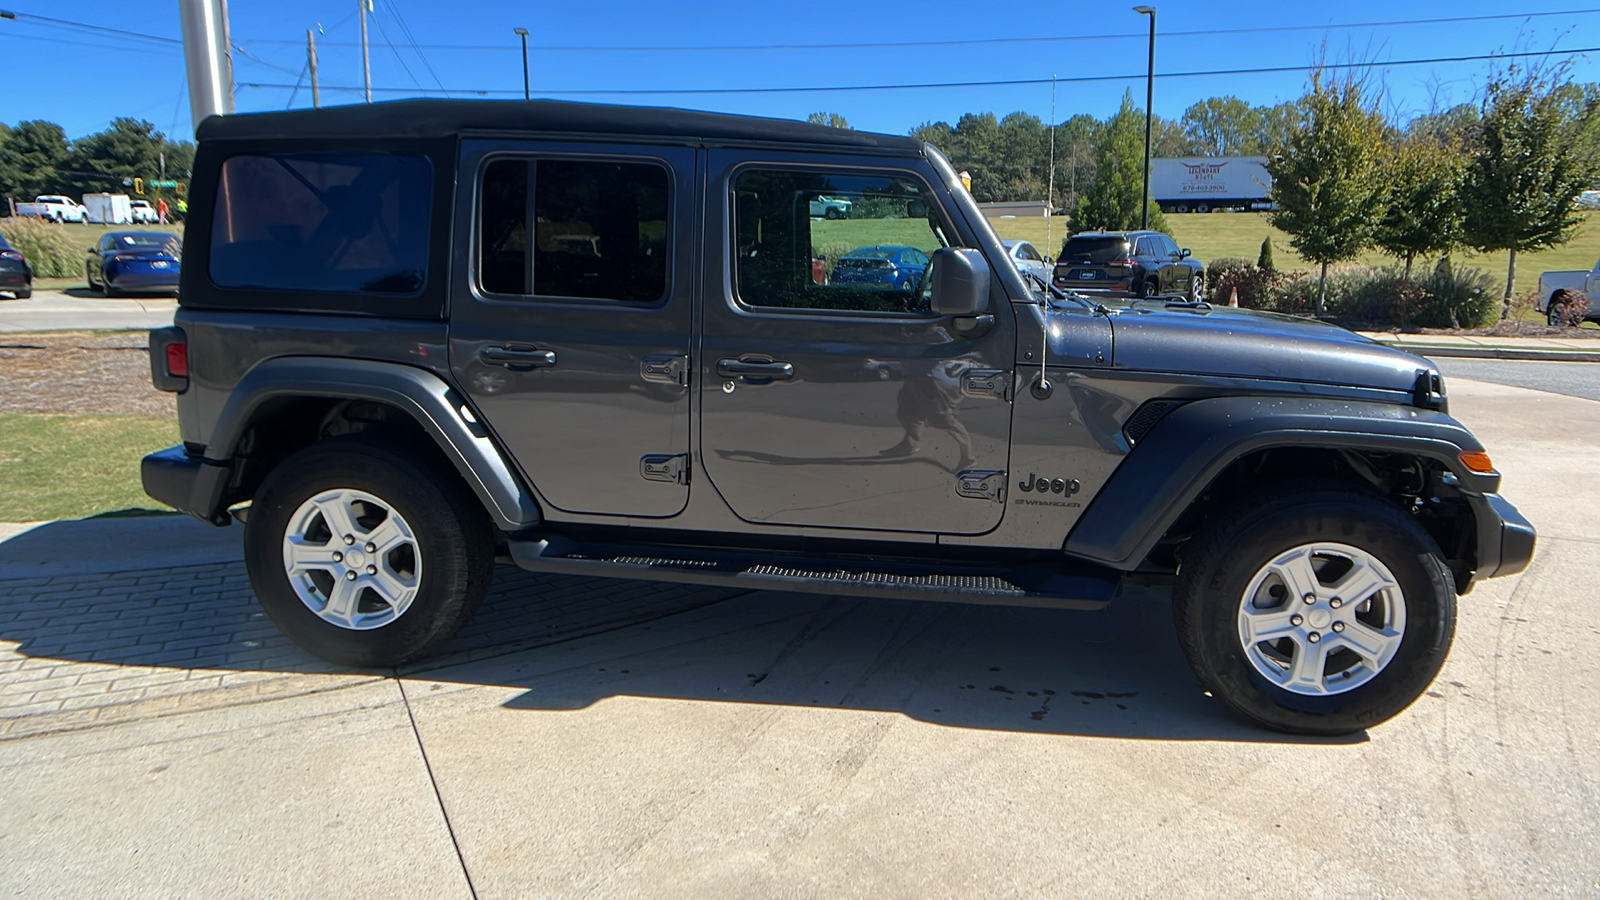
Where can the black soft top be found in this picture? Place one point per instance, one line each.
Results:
(441, 118)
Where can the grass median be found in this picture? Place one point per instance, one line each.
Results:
(70, 467)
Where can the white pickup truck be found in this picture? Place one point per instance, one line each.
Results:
(55, 208)
(1558, 289)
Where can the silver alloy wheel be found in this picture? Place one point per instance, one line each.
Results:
(352, 559)
(1322, 619)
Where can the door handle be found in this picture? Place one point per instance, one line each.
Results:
(515, 357)
(758, 371)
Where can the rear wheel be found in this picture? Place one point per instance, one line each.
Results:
(1556, 313)
(364, 556)
(1317, 610)
(24, 293)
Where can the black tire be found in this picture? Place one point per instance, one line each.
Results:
(453, 537)
(24, 293)
(88, 276)
(832, 212)
(1150, 288)
(1556, 313)
(1234, 546)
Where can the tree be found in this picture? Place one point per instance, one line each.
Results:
(832, 120)
(1076, 140)
(1535, 154)
(1423, 205)
(1021, 158)
(1112, 202)
(1458, 124)
(1167, 140)
(1278, 124)
(1328, 183)
(1223, 126)
(31, 156)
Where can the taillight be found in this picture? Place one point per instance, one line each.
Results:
(124, 258)
(1124, 263)
(178, 360)
(169, 359)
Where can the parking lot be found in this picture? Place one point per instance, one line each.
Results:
(631, 739)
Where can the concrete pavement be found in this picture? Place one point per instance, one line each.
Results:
(60, 311)
(610, 739)
(1471, 346)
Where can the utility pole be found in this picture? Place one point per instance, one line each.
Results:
(523, 33)
(206, 58)
(1149, 98)
(311, 62)
(366, 61)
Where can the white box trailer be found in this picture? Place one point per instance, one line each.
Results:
(108, 209)
(1201, 184)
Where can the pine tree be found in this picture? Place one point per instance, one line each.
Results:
(1264, 261)
(1112, 202)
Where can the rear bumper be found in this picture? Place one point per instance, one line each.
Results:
(189, 484)
(1505, 539)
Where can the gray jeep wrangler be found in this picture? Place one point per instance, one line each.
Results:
(416, 337)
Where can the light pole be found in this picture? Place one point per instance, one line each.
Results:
(523, 33)
(1149, 98)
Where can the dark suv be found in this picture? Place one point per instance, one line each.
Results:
(1128, 264)
(416, 337)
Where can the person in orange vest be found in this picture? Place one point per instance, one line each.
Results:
(161, 210)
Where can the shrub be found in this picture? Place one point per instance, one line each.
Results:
(1461, 298)
(54, 251)
(1226, 274)
(1574, 309)
(1264, 261)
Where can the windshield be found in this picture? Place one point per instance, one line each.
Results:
(145, 239)
(1094, 250)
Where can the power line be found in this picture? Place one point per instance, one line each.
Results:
(1017, 82)
(405, 30)
(1217, 32)
(85, 26)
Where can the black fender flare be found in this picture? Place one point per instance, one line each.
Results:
(1193, 444)
(421, 394)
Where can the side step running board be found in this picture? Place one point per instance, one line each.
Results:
(1053, 585)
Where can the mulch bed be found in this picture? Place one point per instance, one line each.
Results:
(77, 373)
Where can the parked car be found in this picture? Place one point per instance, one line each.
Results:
(894, 267)
(1557, 290)
(16, 275)
(831, 207)
(143, 213)
(128, 261)
(1128, 264)
(1303, 489)
(55, 208)
(1027, 258)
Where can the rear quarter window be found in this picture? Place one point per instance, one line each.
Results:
(323, 223)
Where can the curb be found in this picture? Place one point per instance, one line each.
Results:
(1470, 352)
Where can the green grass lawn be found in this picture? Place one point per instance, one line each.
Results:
(1215, 235)
(68, 467)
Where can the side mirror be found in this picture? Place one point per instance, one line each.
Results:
(960, 284)
(916, 209)
(1049, 259)
(1184, 253)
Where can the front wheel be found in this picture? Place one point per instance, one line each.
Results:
(364, 556)
(1316, 610)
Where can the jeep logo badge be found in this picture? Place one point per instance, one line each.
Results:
(1068, 486)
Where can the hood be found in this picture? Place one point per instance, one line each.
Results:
(1252, 344)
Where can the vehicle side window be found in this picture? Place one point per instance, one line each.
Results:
(1168, 247)
(599, 229)
(317, 223)
(1026, 251)
(863, 250)
(1141, 247)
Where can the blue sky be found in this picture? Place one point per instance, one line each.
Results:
(81, 78)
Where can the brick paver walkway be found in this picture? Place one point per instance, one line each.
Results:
(81, 650)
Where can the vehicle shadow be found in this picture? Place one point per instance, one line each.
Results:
(567, 642)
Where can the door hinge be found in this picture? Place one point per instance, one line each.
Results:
(666, 369)
(981, 484)
(990, 383)
(670, 468)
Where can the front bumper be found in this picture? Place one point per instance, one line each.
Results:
(189, 484)
(1505, 539)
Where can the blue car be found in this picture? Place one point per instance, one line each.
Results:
(125, 261)
(891, 267)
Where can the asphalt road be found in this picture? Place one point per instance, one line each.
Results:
(1567, 378)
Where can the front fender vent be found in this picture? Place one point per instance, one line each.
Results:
(1145, 418)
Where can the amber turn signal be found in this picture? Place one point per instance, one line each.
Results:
(1477, 461)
